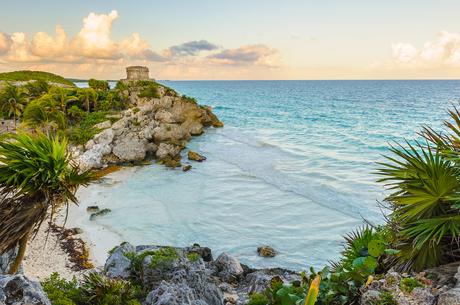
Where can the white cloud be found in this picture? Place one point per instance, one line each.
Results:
(444, 51)
(5, 43)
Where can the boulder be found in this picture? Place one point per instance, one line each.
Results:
(118, 265)
(105, 137)
(130, 148)
(19, 290)
(229, 267)
(100, 213)
(103, 125)
(171, 133)
(7, 258)
(452, 296)
(194, 127)
(164, 116)
(164, 150)
(186, 167)
(266, 251)
(92, 158)
(92, 209)
(194, 156)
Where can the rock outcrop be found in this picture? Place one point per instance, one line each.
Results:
(432, 287)
(19, 290)
(153, 128)
(180, 276)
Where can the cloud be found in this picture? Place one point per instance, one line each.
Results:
(258, 54)
(93, 40)
(93, 52)
(191, 48)
(5, 43)
(45, 46)
(444, 51)
(137, 48)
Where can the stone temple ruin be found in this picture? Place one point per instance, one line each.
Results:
(134, 73)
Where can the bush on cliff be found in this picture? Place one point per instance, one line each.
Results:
(95, 289)
(425, 205)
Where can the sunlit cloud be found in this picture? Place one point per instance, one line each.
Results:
(93, 51)
(442, 52)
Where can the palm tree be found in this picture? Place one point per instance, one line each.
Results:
(12, 100)
(37, 177)
(63, 97)
(87, 96)
(44, 114)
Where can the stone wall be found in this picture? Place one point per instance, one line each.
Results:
(137, 73)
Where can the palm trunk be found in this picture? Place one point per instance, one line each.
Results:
(22, 251)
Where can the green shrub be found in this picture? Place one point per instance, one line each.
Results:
(99, 290)
(60, 291)
(408, 284)
(149, 90)
(258, 299)
(386, 298)
(425, 183)
(27, 75)
(99, 84)
(37, 88)
(83, 131)
(163, 257)
(193, 257)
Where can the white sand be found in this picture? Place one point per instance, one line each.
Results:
(43, 257)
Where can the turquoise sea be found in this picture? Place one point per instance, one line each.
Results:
(292, 168)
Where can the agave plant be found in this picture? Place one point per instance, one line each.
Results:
(36, 178)
(425, 201)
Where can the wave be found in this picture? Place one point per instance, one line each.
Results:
(261, 160)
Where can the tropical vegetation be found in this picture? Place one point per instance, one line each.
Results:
(26, 75)
(37, 177)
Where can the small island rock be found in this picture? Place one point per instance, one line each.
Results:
(194, 156)
(266, 251)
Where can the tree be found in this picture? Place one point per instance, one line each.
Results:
(63, 97)
(44, 114)
(37, 88)
(99, 84)
(88, 97)
(12, 100)
(37, 177)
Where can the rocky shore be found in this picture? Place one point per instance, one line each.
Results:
(191, 275)
(154, 128)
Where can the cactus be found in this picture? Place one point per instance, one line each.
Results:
(313, 291)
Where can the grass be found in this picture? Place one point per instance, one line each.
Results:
(26, 75)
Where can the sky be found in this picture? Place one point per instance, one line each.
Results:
(222, 39)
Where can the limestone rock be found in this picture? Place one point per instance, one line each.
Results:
(118, 265)
(194, 156)
(92, 158)
(103, 125)
(104, 137)
(229, 267)
(164, 116)
(6, 259)
(164, 150)
(452, 296)
(130, 148)
(99, 214)
(266, 251)
(19, 290)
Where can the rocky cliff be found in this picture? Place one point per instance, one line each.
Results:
(156, 128)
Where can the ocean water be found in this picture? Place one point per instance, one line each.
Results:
(292, 168)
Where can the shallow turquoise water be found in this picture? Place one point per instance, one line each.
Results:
(292, 167)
